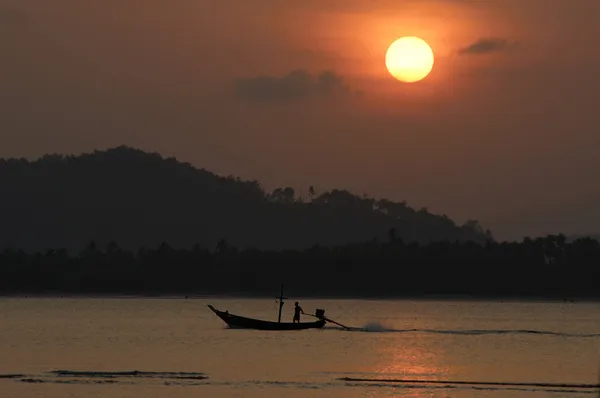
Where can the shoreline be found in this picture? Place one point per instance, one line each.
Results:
(246, 296)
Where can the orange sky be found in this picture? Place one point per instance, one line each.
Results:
(504, 130)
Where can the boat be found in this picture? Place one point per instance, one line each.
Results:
(241, 322)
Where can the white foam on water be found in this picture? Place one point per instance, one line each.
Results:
(376, 327)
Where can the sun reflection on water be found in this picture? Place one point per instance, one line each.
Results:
(410, 357)
(415, 356)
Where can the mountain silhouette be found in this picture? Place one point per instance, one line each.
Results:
(142, 199)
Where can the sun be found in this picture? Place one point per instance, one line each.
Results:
(409, 59)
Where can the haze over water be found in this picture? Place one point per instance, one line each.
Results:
(90, 347)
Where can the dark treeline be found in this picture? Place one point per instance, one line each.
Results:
(141, 199)
(549, 267)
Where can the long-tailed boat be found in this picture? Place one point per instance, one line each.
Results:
(240, 322)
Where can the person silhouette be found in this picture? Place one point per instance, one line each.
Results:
(297, 311)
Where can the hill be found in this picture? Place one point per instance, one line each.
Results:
(142, 199)
(573, 238)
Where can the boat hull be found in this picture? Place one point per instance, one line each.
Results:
(240, 322)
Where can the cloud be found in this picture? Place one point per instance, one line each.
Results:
(485, 46)
(296, 85)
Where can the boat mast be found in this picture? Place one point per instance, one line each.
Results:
(280, 303)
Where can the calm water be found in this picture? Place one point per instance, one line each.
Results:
(175, 342)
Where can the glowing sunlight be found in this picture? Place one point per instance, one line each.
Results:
(409, 59)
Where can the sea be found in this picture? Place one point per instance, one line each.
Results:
(175, 347)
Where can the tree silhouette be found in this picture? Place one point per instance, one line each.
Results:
(531, 268)
(311, 192)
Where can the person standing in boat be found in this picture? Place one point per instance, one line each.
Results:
(297, 311)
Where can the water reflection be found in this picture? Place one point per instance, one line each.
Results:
(410, 357)
(413, 357)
